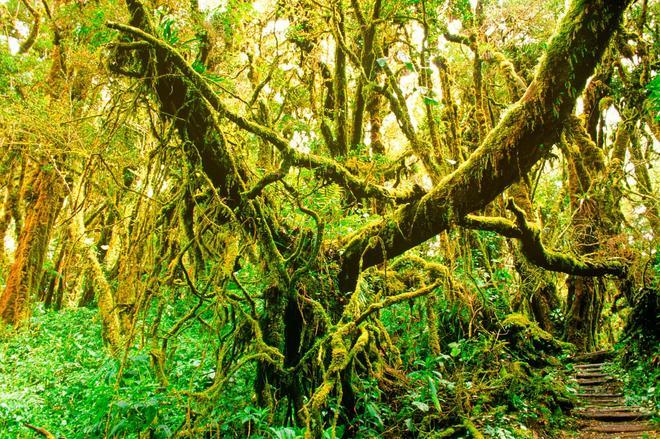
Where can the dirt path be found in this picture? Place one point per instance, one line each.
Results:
(602, 412)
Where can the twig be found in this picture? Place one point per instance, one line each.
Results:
(42, 431)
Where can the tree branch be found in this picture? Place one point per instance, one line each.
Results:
(40, 430)
(499, 225)
(534, 250)
(324, 167)
(522, 137)
(391, 300)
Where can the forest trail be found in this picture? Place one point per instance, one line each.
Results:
(602, 412)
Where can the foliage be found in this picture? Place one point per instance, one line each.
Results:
(654, 95)
(288, 219)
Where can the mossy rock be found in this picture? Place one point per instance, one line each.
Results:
(522, 322)
(532, 343)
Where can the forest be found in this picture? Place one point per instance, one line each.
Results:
(329, 219)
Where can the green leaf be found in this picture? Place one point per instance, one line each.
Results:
(373, 412)
(119, 426)
(434, 395)
(421, 406)
(284, 432)
(455, 349)
(198, 66)
(430, 101)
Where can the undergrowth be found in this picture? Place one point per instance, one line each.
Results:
(55, 374)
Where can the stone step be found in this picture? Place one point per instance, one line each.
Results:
(614, 402)
(595, 381)
(597, 372)
(621, 427)
(633, 435)
(591, 375)
(622, 408)
(600, 395)
(600, 390)
(612, 415)
(605, 385)
(618, 409)
(590, 365)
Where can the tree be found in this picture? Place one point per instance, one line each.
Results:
(508, 152)
(249, 149)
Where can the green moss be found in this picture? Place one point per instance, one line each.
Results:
(523, 323)
(533, 344)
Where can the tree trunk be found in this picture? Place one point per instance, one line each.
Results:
(594, 196)
(537, 286)
(585, 304)
(26, 271)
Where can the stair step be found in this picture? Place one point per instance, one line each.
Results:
(591, 375)
(590, 370)
(621, 427)
(599, 390)
(590, 366)
(600, 395)
(622, 408)
(612, 415)
(614, 402)
(594, 381)
(645, 434)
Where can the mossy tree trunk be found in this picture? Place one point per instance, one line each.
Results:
(10, 204)
(44, 201)
(594, 192)
(538, 288)
(584, 299)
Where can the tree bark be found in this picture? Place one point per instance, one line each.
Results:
(26, 271)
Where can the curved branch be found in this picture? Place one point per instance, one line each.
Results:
(40, 430)
(324, 167)
(533, 249)
(391, 300)
(267, 179)
(499, 225)
(34, 32)
(522, 138)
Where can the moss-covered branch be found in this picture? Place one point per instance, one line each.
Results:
(34, 31)
(399, 107)
(532, 247)
(499, 225)
(264, 181)
(534, 250)
(391, 300)
(522, 137)
(324, 167)
(515, 83)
